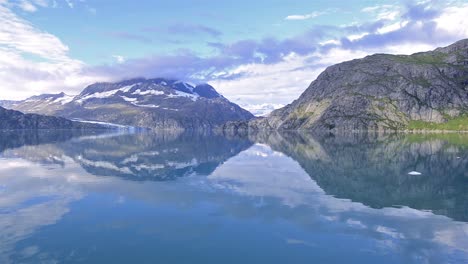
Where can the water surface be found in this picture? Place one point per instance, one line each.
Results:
(69, 197)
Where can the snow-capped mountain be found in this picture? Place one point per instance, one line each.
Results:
(46, 104)
(142, 93)
(153, 103)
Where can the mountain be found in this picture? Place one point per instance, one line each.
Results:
(8, 103)
(152, 103)
(10, 119)
(427, 90)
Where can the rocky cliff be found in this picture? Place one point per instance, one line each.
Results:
(427, 90)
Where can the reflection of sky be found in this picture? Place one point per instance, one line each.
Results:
(257, 185)
(261, 172)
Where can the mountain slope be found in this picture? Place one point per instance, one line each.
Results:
(153, 103)
(382, 92)
(10, 119)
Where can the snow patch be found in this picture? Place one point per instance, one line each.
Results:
(414, 173)
(64, 99)
(127, 88)
(106, 94)
(97, 95)
(194, 97)
(146, 105)
(147, 92)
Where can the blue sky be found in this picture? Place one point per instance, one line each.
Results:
(97, 30)
(259, 54)
(101, 29)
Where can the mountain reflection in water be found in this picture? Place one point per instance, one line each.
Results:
(273, 197)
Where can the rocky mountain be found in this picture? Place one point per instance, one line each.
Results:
(11, 119)
(427, 90)
(151, 103)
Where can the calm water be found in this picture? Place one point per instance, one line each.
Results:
(271, 198)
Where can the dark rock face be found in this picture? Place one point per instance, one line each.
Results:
(207, 91)
(10, 119)
(150, 103)
(380, 92)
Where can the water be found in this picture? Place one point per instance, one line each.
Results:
(269, 198)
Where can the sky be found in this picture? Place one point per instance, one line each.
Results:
(259, 54)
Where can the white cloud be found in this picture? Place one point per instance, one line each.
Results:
(357, 36)
(372, 9)
(392, 27)
(69, 3)
(27, 6)
(267, 84)
(33, 61)
(41, 3)
(388, 12)
(453, 20)
(18, 35)
(119, 58)
(30, 6)
(304, 17)
(262, 109)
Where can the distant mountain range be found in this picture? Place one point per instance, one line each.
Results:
(150, 103)
(423, 91)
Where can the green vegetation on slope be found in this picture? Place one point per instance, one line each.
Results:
(435, 58)
(456, 124)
